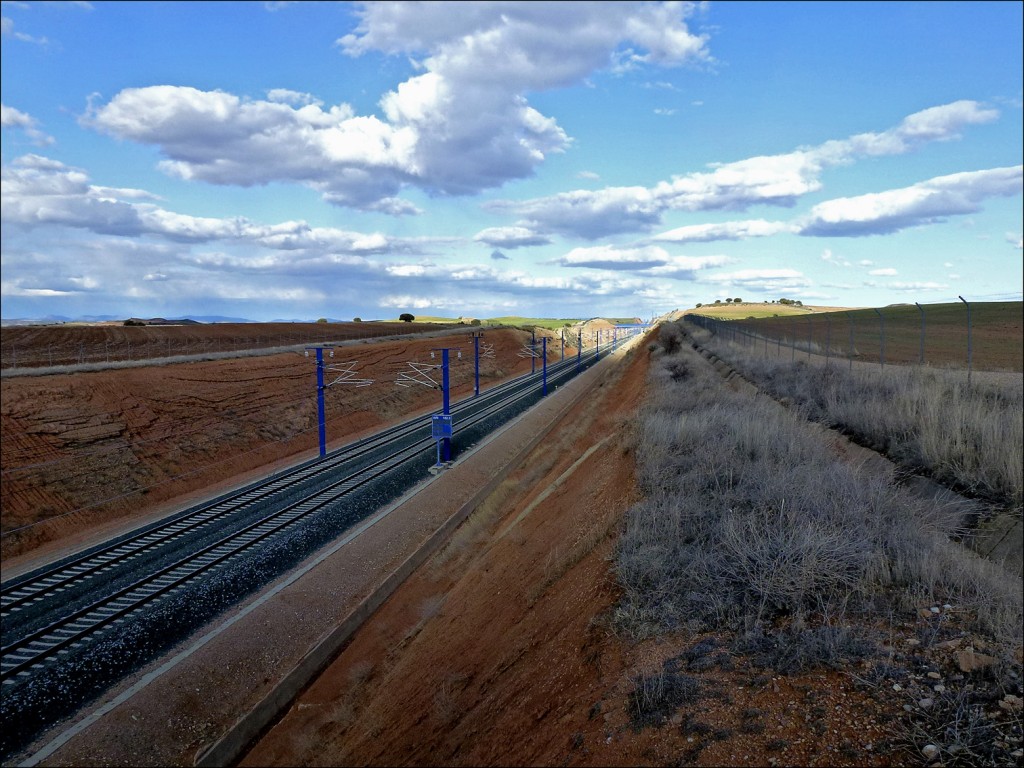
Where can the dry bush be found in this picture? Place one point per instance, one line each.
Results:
(969, 435)
(749, 518)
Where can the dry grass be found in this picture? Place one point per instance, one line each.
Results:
(749, 519)
(966, 434)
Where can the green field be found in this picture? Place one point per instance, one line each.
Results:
(551, 323)
(746, 310)
(540, 322)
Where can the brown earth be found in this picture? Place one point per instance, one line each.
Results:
(86, 453)
(502, 649)
(73, 343)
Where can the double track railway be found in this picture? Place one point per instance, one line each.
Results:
(56, 619)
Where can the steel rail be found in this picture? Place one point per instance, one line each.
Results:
(82, 625)
(66, 574)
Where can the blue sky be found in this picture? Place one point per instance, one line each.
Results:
(302, 160)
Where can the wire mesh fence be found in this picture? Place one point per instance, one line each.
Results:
(971, 335)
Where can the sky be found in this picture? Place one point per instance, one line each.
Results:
(304, 160)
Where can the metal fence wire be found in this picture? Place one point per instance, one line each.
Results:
(970, 335)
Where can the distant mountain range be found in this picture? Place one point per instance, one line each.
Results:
(54, 319)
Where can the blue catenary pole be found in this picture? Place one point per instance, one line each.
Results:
(476, 365)
(320, 400)
(446, 450)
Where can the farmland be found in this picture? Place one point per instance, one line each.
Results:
(936, 334)
(564, 622)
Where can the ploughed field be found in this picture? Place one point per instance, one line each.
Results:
(87, 452)
(35, 346)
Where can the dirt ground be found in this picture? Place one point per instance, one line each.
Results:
(86, 453)
(502, 649)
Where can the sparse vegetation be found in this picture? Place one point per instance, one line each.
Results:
(751, 525)
(969, 436)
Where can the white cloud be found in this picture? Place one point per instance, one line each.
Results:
(765, 280)
(924, 203)
(7, 30)
(510, 237)
(831, 258)
(479, 61)
(651, 260)
(729, 230)
(14, 118)
(1015, 239)
(912, 287)
(295, 98)
(778, 180)
(887, 271)
(38, 191)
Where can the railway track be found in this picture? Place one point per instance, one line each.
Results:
(69, 623)
(55, 581)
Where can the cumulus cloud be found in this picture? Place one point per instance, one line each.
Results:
(910, 287)
(778, 180)
(510, 237)
(38, 191)
(7, 30)
(14, 118)
(729, 230)
(499, 256)
(762, 280)
(651, 260)
(461, 126)
(123, 245)
(886, 271)
(923, 203)
(831, 258)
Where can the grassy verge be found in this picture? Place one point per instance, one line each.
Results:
(752, 528)
(751, 525)
(969, 436)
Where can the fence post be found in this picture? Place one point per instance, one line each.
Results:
(921, 353)
(828, 339)
(969, 350)
(810, 336)
(881, 350)
(849, 353)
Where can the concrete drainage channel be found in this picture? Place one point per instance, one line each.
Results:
(999, 536)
